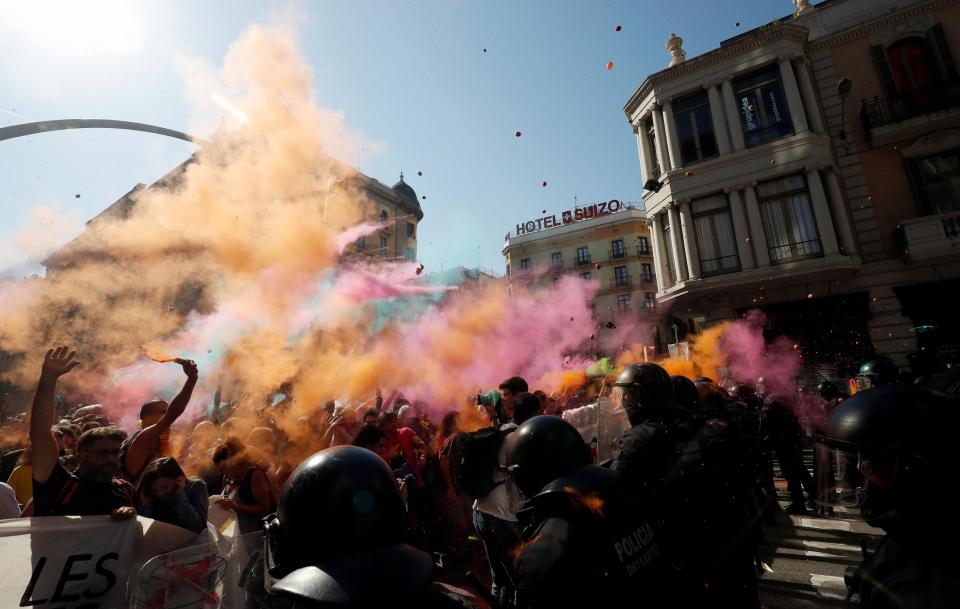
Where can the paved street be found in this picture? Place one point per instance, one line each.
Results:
(808, 555)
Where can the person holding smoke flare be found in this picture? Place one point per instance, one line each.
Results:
(156, 417)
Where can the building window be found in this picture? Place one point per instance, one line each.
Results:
(620, 277)
(650, 300)
(411, 229)
(936, 182)
(668, 246)
(383, 245)
(915, 74)
(585, 276)
(556, 259)
(617, 250)
(623, 303)
(715, 237)
(695, 128)
(652, 149)
(362, 243)
(646, 271)
(764, 114)
(583, 255)
(643, 246)
(788, 220)
(408, 253)
(383, 215)
(525, 264)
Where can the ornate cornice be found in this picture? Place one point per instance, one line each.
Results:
(879, 24)
(782, 31)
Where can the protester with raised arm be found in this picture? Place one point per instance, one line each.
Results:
(156, 417)
(94, 489)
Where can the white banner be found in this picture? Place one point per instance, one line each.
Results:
(65, 562)
(199, 576)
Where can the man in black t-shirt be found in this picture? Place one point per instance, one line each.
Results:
(94, 489)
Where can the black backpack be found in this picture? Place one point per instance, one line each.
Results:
(474, 457)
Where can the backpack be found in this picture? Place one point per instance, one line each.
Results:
(474, 457)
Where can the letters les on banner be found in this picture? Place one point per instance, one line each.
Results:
(63, 562)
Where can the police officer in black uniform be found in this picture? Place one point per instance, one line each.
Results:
(586, 543)
(730, 532)
(662, 455)
(337, 538)
(902, 439)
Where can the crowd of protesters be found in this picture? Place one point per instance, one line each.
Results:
(82, 464)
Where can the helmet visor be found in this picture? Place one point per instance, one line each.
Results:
(843, 477)
(616, 400)
(864, 382)
(839, 483)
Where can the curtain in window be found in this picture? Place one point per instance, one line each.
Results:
(715, 237)
(788, 219)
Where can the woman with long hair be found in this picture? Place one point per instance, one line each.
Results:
(166, 494)
(250, 493)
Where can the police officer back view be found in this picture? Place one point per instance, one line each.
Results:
(586, 544)
(902, 440)
(336, 539)
(661, 456)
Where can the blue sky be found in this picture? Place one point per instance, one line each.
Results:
(412, 75)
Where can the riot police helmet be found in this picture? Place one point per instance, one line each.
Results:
(541, 450)
(884, 450)
(827, 390)
(743, 393)
(877, 372)
(341, 517)
(685, 393)
(641, 386)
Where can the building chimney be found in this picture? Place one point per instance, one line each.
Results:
(675, 46)
(803, 6)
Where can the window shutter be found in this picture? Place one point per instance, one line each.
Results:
(883, 71)
(938, 42)
(915, 177)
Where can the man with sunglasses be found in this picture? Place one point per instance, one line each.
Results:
(94, 489)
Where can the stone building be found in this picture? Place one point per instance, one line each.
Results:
(773, 186)
(609, 247)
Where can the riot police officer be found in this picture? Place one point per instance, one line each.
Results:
(729, 528)
(901, 439)
(877, 372)
(586, 543)
(337, 537)
(661, 456)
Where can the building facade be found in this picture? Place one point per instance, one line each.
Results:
(611, 248)
(771, 188)
(399, 213)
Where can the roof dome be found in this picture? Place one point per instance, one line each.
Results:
(404, 190)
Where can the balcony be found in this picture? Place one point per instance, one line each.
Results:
(648, 311)
(617, 254)
(647, 279)
(644, 251)
(798, 250)
(932, 236)
(558, 266)
(582, 260)
(888, 120)
(624, 281)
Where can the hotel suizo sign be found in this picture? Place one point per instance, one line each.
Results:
(569, 216)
